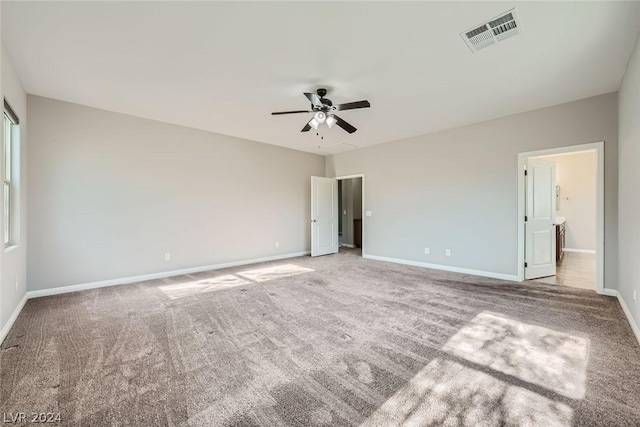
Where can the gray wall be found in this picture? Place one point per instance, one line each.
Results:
(576, 175)
(110, 194)
(630, 184)
(457, 189)
(13, 261)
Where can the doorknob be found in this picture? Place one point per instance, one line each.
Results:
(314, 220)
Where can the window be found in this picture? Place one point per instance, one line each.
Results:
(10, 140)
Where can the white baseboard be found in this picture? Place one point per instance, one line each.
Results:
(141, 278)
(7, 327)
(579, 251)
(489, 274)
(627, 312)
(348, 245)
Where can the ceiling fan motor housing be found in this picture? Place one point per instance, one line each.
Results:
(324, 109)
(326, 106)
(326, 102)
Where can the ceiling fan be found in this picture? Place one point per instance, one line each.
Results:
(323, 110)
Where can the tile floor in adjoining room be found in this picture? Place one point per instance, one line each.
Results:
(576, 270)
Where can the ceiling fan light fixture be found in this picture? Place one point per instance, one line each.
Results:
(322, 109)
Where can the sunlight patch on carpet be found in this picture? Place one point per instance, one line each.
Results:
(187, 289)
(275, 272)
(247, 277)
(551, 359)
(446, 393)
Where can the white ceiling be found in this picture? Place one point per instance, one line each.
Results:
(224, 67)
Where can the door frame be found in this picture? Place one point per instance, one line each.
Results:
(358, 175)
(522, 158)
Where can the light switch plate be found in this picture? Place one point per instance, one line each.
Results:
(367, 213)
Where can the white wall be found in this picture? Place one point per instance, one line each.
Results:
(111, 193)
(576, 176)
(457, 189)
(13, 261)
(629, 183)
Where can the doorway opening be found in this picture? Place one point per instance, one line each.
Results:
(350, 213)
(337, 221)
(561, 216)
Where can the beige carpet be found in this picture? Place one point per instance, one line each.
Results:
(336, 340)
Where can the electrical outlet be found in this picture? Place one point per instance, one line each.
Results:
(17, 290)
(345, 212)
(447, 252)
(167, 256)
(426, 251)
(277, 244)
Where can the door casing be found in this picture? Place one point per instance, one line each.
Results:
(364, 218)
(522, 158)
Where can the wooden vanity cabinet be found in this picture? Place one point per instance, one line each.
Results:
(560, 240)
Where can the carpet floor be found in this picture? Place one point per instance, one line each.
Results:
(336, 340)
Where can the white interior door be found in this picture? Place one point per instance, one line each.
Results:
(540, 228)
(324, 216)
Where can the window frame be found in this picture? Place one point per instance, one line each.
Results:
(10, 119)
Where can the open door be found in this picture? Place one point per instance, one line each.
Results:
(324, 216)
(540, 228)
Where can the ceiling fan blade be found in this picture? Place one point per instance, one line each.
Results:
(344, 125)
(315, 99)
(277, 113)
(306, 128)
(352, 105)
